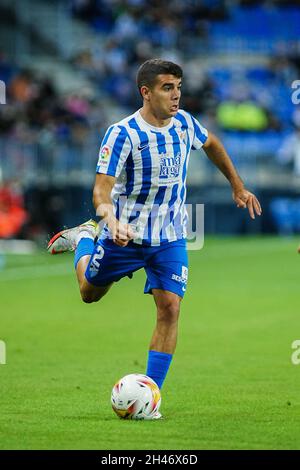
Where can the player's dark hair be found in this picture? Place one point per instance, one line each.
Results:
(148, 71)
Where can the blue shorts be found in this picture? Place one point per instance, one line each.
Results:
(166, 265)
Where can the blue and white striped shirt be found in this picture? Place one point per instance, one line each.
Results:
(150, 165)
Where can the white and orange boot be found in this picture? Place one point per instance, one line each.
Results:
(67, 240)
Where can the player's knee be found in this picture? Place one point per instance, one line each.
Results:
(87, 298)
(169, 312)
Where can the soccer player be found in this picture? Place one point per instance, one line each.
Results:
(139, 194)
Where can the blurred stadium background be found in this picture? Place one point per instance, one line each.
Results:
(69, 69)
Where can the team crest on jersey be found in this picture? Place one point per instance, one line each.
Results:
(182, 136)
(104, 154)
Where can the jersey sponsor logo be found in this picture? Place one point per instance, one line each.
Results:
(105, 153)
(169, 169)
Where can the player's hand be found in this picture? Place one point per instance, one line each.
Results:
(244, 199)
(121, 233)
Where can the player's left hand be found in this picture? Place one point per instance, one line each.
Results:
(244, 199)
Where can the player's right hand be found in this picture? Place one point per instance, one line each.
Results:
(244, 199)
(121, 233)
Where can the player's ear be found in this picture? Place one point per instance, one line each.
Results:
(145, 92)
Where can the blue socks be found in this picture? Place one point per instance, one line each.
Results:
(84, 247)
(158, 366)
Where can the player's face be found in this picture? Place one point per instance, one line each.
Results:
(165, 95)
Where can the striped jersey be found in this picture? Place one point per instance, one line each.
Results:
(150, 165)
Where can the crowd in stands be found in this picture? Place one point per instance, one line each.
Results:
(254, 98)
(36, 112)
(245, 98)
(13, 216)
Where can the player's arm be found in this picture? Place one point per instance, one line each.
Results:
(121, 233)
(216, 152)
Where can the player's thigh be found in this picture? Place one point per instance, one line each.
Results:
(110, 263)
(167, 271)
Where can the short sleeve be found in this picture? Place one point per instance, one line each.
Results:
(114, 150)
(200, 135)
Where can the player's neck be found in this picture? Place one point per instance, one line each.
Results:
(152, 119)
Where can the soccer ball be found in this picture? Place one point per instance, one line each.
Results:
(135, 396)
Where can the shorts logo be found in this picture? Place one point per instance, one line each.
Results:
(184, 276)
(95, 262)
(104, 155)
(184, 273)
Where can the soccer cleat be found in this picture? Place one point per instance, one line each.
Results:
(156, 415)
(66, 239)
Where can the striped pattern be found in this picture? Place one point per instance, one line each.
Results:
(150, 165)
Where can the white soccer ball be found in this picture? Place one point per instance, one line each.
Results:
(135, 396)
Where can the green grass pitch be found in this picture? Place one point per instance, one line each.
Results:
(231, 385)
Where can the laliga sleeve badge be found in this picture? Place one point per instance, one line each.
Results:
(105, 153)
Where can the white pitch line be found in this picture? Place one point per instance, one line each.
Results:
(35, 272)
